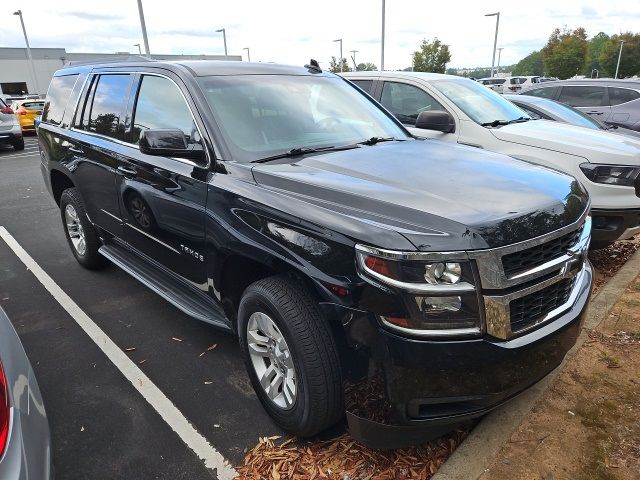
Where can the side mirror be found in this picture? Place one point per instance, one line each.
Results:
(168, 143)
(437, 120)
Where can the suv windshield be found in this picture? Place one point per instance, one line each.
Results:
(265, 115)
(482, 104)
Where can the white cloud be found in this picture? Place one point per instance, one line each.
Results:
(292, 31)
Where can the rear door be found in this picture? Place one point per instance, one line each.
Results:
(95, 143)
(591, 99)
(163, 199)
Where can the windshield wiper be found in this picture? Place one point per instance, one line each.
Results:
(294, 152)
(497, 123)
(374, 140)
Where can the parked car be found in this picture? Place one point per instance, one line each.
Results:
(27, 111)
(515, 84)
(543, 108)
(457, 110)
(285, 206)
(494, 83)
(25, 443)
(612, 102)
(10, 131)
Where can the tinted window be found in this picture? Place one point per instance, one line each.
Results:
(547, 92)
(570, 115)
(160, 104)
(33, 105)
(109, 95)
(57, 98)
(583, 96)
(365, 85)
(406, 102)
(622, 95)
(533, 114)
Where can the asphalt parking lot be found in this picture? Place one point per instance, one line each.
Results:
(101, 425)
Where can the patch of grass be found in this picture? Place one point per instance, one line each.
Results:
(610, 360)
(635, 336)
(597, 413)
(596, 456)
(630, 302)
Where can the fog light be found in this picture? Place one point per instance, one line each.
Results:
(439, 304)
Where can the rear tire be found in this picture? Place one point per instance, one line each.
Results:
(308, 351)
(81, 234)
(18, 144)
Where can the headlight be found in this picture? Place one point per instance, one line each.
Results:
(438, 290)
(626, 176)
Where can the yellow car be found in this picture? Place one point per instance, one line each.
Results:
(27, 111)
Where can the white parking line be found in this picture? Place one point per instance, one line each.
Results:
(25, 153)
(152, 394)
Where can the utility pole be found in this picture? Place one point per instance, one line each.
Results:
(248, 54)
(617, 66)
(340, 40)
(495, 39)
(382, 42)
(499, 54)
(26, 40)
(138, 45)
(144, 29)
(224, 37)
(353, 57)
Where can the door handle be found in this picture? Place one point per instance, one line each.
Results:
(595, 113)
(127, 172)
(76, 150)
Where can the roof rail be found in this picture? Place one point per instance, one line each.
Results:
(100, 61)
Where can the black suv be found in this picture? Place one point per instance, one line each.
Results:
(284, 205)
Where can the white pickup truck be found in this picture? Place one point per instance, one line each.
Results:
(456, 109)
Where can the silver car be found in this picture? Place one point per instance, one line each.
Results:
(546, 109)
(25, 442)
(611, 102)
(10, 130)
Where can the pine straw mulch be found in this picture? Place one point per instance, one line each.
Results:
(611, 259)
(343, 458)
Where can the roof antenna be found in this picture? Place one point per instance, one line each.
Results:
(313, 66)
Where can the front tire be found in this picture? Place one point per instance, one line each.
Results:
(18, 144)
(291, 356)
(81, 234)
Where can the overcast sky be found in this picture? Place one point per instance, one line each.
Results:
(292, 31)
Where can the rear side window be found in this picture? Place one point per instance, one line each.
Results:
(583, 96)
(622, 95)
(57, 98)
(548, 92)
(160, 104)
(365, 85)
(406, 102)
(33, 105)
(104, 105)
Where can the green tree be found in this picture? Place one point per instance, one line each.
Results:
(532, 64)
(334, 65)
(432, 57)
(366, 67)
(565, 53)
(593, 55)
(630, 60)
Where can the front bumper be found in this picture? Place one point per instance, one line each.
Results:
(611, 225)
(433, 386)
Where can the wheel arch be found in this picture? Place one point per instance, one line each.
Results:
(60, 181)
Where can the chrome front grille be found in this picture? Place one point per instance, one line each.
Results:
(529, 283)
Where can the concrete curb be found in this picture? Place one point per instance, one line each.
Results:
(481, 447)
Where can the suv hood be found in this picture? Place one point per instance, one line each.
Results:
(597, 146)
(436, 194)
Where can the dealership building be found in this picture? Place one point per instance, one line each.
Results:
(17, 76)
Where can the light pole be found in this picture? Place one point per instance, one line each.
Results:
(224, 37)
(617, 66)
(382, 41)
(138, 45)
(26, 40)
(495, 40)
(340, 40)
(353, 57)
(499, 54)
(143, 25)
(248, 54)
